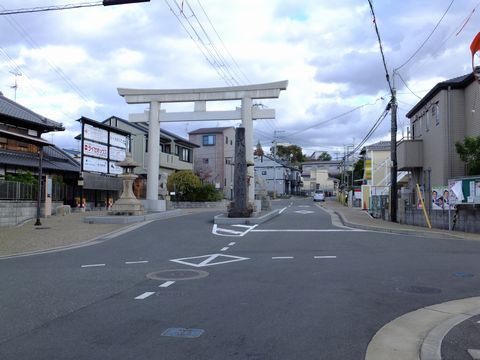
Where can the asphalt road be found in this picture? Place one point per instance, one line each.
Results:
(296, 287)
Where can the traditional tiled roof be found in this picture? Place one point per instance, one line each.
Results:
(54, 159)
(12, 109)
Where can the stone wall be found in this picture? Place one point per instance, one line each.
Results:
(13, 213)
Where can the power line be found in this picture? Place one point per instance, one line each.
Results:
(404, 83)
(387, 76)
(197, 43)
(428, 37)
(221, 58)
(223, 44)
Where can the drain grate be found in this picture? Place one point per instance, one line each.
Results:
(42, 227)
(183, 333)
(420, 290)
(177, 274)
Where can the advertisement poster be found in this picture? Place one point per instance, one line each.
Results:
(440, 198)
(114, 169)
(95, 134)
(93, 149)
(117, 154)
(95, 165)
(118, 140)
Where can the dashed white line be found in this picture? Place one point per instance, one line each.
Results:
(136, 262)
(92, 265)
(166, 284)
(281, 257)
(231, 244)
(281, 211)
(224, 249)
(325, 257)
(144, 295)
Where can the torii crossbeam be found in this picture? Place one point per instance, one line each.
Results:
(200, 96)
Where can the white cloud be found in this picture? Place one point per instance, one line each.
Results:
(73, 61)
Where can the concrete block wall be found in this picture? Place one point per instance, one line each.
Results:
(13, 213)
(189, 204)
(468, 219)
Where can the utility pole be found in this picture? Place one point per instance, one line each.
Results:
(15, 73)
(393, 153)
(275, 161)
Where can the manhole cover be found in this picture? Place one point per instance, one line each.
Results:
(177, 274)
(420, 290)
(463, 274)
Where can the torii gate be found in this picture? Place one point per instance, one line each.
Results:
(199, 97)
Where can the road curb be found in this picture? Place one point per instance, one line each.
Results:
(223, 220)
(405, 337)
(431, 348)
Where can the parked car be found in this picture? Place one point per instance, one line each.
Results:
(319, 195)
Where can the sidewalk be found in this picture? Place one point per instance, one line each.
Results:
(55, 232)
(357, 218)
(61, 232)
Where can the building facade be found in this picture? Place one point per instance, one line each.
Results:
(321, 175)
(446, 115)
(215, 157)
(280, 178)
(176, 153)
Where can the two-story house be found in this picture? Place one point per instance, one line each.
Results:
(23, 150)
(445, 115)
(321, 175)
(214, 159)
(280, 178)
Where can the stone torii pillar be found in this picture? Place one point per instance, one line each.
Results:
(199, 97)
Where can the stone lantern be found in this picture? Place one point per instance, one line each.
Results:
(127, 204)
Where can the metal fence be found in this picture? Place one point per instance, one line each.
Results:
(379, 206)
(13, 190)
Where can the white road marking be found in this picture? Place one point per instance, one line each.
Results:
(92, 265)
(325, 257)
(224, 249)
(166, 284)
(144, 295)
(231, 244)
(281, 211)
(227, 232)
(303, 206)
(474, 353)
(136, 262)
(304, 212)
(306, 230)
(281, 257)
(209, 260)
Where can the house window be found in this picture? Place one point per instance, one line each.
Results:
(435, 114)
(146, 144)
(231, 143)
(177, 151)
(226, 140)
(264, 172)
(427, 121)
(208, 140)
(205, 161)
(185, 155)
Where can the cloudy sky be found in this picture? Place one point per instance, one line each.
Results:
(72, 61)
